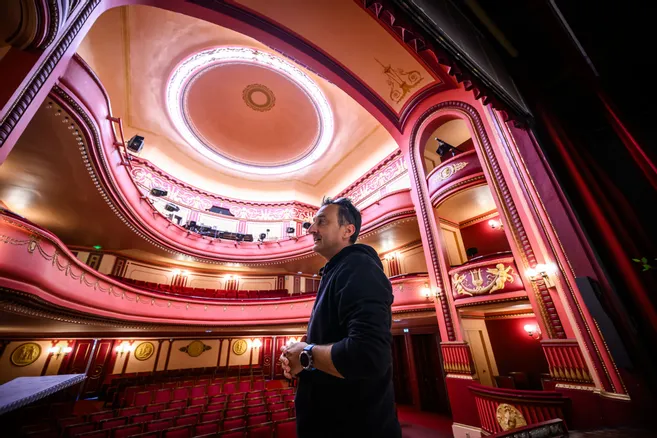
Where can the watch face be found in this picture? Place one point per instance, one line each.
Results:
(304, 359)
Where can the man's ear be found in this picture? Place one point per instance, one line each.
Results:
(351, 229)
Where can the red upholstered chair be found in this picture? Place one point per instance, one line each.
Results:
(229, 388)
(185, 420)
(178, 432)
(202, 401)
(187, 384)
(234, 422)
(169, 413)
(162, 396)
(180, 404)
(286, 428)
(74, 429)
(143, 398)
(256, 409)
(282, 414)
(111, 423)
(129, 412)
(193, 409)
(159, 424)
(262, 430)
(214, 389)
(287, 391)
(198, 391)
(152, 434)
(271, 393)
(276, 406)
(102, 415)
(143, 418)
(212, 416)
(94, 434)
(180, 393)
(237, 396)
(129, 395)
(126, 431)
(255, 401)
(288, 397)
(274, 399)
(207, 427)
(63, 422)
(259, 384)
(255, 394)
(256, 419)
(236, 412)
(235, 404)
(235, 433)
(216, 406)
(205, 381)
(170, 385)
(219, 398)
(244, 387)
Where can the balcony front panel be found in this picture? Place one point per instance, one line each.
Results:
(457, 173)
(485, 276)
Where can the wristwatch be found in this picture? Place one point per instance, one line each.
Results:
(306, 358)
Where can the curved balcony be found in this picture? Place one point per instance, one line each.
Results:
(81, 95)
(484, 276)
(459, 172)
(407, 289)
(36, 266)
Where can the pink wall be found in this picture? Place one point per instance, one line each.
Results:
(514, 350)
(484, 238)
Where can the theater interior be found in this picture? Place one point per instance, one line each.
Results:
(161, 161)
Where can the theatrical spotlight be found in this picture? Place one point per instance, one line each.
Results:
(262, 236)
(171, 207)
(306, 225)
(135, 144)
(290, 230)
(158, 192)
(444, 148)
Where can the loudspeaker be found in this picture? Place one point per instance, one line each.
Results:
(171, 207)
(136, 144)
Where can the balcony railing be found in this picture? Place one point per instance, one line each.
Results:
(484, 276)
(459, 172)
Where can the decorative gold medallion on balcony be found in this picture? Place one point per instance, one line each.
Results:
(25, 354)
(144, 351)
(472, 283)
(401, 82)
(508, 417)
(195, 348)
(239, 347)
(449, 170)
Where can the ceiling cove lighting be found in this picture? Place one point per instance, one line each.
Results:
(195, 64)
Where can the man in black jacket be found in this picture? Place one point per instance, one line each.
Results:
(345, 384)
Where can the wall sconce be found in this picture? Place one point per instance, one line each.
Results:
(391, 255)
(124, 348)
(495, 224)
(544, 272)
(257, 343)
(176, 272)
(426, 292)
(57, 351)
(533, 331)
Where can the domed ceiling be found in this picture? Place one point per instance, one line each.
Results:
(249, 110)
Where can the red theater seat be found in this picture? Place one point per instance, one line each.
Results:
(219, 398)
(256, 409)
(244, 387)
(197, 391)
(286, 428)
(282, 414)
(152, 434)
(159, 424)
(255, 401)
(235, 404)
(194, 409)
(229, 388)
(234, 412)
(185, 420)
(102, 415)
(178, 432)
(264, 430)
(236, 433)
(180, 404)
(142, 398)
(234, 422)
(206, 427)
(259, 384)
(214, 389)
(212, 416)
(143, 418)
(276, 406)
(256, 419)
(180, 393)
(202, 401)
(238, 396)
(162, 396)
(129, 412)
(169, 413)
(111, 423)
(126, 431)
(75, 429)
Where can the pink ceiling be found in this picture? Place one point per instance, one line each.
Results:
(217, 108)
(133, 50)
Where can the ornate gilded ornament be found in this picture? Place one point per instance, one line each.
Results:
(449, 170)
(401, 82)
(508, 417)
(25, 354)
(144, 351)
(195, 348)
(239, 347)
(471, 283)
(250, 90)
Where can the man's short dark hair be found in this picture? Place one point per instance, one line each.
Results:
(347, 214)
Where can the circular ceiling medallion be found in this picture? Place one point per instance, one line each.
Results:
(284, 126)
(258, 97)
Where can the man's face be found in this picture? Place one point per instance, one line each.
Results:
(329, 236)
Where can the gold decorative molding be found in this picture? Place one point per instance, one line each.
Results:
(239, 347)
(494, 280)
(401, 82)
(508, 417)
(144, 351)
(449, 170)
(195, 348)
(25, 354)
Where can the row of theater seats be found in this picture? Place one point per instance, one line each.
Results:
(221, 294)
(175, 413)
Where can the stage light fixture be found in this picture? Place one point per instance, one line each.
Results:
(135, 144)
(444, 148)
(171, 207)
(290, 230)
(158, 192)
(262, 236)
(306, 225)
